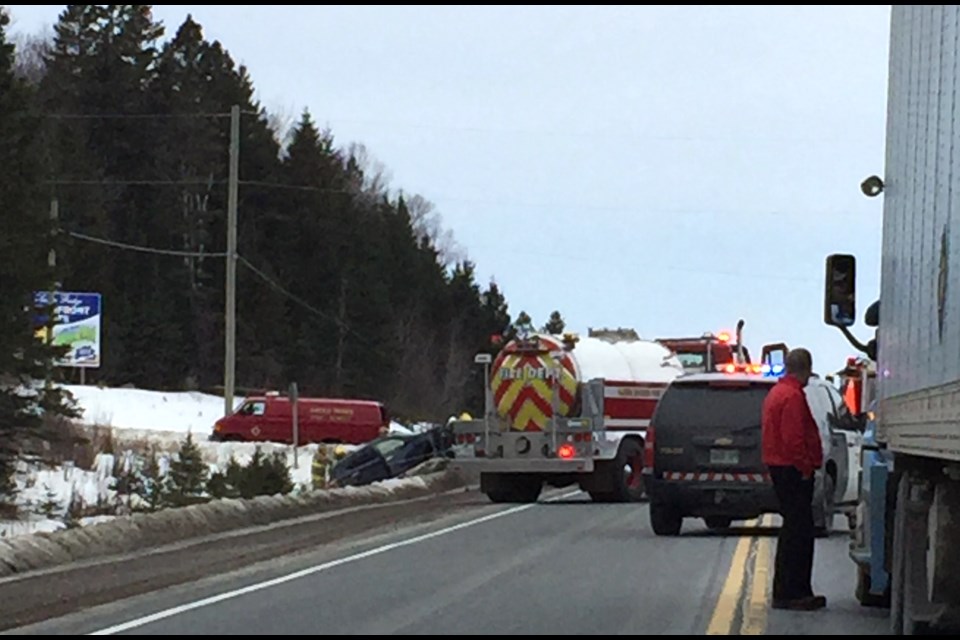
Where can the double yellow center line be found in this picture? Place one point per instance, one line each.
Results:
(742, 606)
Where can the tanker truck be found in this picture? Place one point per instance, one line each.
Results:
(565, 410)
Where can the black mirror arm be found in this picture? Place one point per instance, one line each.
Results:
(852, 339)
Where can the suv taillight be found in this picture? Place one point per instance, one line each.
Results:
(648, 449)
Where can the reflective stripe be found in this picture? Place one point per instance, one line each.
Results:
(715, 476)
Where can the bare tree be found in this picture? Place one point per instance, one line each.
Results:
(457, 369)
(428, 223)
(376, 176)
(281, 121)
(417, 364)
(32, 53)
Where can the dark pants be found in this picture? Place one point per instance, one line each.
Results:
(794, 562)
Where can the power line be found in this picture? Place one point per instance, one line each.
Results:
(263, 276)
(128, 183)
(306, 305)
(132, 116)
(296, 187)
(143, 249)
(468, 201)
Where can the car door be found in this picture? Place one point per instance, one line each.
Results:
(852, 428)
(843, 428)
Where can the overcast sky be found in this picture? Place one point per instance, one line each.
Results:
(670, 169)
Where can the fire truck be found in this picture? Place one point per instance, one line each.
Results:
(710, 351)
(565, 410)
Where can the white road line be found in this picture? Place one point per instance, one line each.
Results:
(139, 622)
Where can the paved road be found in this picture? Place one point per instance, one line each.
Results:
(570, 567)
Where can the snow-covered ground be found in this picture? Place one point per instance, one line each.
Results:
(150, 411)
(139, 420)
(162, 417)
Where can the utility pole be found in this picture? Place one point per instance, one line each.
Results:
(52, 263)
(230, 351)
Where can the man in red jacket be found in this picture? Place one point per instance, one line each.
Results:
(792, 451)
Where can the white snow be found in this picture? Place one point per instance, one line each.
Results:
(139, 420)
(172, 411)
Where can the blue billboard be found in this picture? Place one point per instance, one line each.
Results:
(76, 325)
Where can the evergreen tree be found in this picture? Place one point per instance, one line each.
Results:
(226, 483)
(25, 361)
(379, 305)
(555, 325)
(188, 475)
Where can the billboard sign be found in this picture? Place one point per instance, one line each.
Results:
(76, 325)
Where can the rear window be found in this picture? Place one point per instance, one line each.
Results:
(705, 405)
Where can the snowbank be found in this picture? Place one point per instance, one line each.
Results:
(139, 532)
(178, 412)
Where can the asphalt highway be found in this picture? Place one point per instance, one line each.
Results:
(562, 566)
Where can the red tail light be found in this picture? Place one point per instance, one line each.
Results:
(648, 447)
(566, 451)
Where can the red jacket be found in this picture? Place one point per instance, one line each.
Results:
(790, 434)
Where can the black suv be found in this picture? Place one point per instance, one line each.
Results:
(705, 437)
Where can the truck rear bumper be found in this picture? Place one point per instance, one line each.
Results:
(506, 465)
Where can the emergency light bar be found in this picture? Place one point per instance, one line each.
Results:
(775, 370)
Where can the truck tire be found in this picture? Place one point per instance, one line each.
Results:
(665, 520)
(897, 560)
(621, 480)
(718, 522)
(907, 557)
(508, 488)
(862, 592)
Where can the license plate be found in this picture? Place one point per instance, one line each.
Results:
(724, 456)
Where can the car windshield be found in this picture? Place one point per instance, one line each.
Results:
(388, 446)
(700, 406)
(691, 360)
(253, 409)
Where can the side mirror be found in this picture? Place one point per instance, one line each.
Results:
(840, 299)
(872, 316)
(768, 352)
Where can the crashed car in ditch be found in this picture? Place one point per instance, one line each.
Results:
(391, 456)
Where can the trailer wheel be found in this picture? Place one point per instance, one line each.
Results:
(909, 573)
(628, 469)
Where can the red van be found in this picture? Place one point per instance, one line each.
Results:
(322, 420)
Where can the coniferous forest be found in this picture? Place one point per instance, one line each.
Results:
(343, 285)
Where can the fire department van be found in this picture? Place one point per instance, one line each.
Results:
(323, 420)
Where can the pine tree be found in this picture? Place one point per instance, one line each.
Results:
(277, 480)
(24, 360)
(153, 482)
(555, 325)
(226, 483)
(523, 327)
(188, 475)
